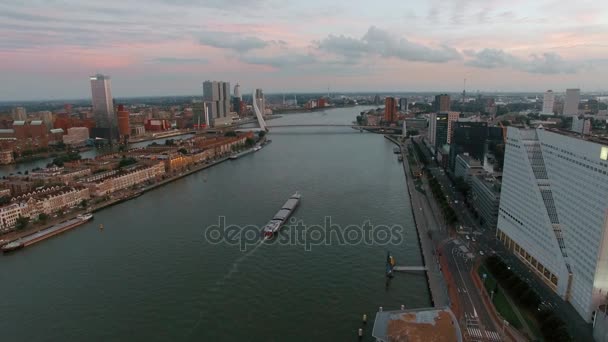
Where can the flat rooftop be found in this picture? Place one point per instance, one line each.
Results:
(424, 325)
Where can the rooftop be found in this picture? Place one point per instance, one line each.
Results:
(428, 325)
(598, 139)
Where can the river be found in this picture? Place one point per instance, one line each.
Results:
(151, 275)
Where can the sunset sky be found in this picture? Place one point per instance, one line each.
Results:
(48, 48)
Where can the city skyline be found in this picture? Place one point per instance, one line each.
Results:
(48, 51)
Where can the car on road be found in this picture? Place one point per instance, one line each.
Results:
(481, 253)
(473, 239)
(467, 237)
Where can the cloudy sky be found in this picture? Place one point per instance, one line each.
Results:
(48, 48)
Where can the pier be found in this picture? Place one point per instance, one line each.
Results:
(409, 268)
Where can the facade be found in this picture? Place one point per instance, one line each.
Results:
(573, 97)
(468, 137)
(50, 200)
(390, 109)
(581, 125)
(553, 212)
(548, 101)
(9, 215)
(122, 181)
(103, 105)
(485, 197)
(466, 167)
(442, 103)
(452, 119)
(216, 94)
(432, 132)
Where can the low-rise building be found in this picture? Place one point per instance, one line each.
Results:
(485, 196)
(50, 200)
(466, 167)
(8, 216)
(6, 157)
(430, 324)
(76, 136)
(125, 179)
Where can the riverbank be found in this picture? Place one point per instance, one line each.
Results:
(117, 198)
(436, 283)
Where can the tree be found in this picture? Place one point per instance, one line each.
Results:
(261, 134)
(42, 217)
(182, 151)
(21, 222)
(84, 203)
(230, 134)
(249, 142)
(126, 162)
(462, 186)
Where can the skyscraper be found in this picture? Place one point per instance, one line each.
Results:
(573, 97)
(442, 103)
(390, 109)
(553, 212)
(103, 106)
(468, 137)
(236, 99)
(124, 130)
(548, 101)
(403, 104)
(217, 96)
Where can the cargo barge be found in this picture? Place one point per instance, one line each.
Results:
(272, 228)
(46, 233)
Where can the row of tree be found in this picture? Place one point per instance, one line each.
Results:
(448, 212)
(552, 327)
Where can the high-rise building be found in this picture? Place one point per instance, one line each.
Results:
(19, 114)
(573, 97)
(103, 106)
(403, 105)
(236, 99)
(217, 96)
(47, 117)
(259, 98)
(390, 109)
(377, 99)
(452, 119)
(581, 125)
(199, 117)
(124, 130)
(470, 138)
(548, 101)
(438, 129)
(442, 103)
(553, 212)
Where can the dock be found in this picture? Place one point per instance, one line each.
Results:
(410, 268)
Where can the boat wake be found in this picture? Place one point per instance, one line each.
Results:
(220, 282)
(235, 265)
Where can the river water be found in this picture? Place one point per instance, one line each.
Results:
(151, 275)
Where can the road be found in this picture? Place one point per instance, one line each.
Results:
(486, 241)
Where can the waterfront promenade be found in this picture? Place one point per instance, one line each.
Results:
(426, 223)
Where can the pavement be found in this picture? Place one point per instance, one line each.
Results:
(485, 240)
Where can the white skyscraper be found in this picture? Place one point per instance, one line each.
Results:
(237, 91)
(573, 97)
(553, 212)
(103, 104)
(548, 101)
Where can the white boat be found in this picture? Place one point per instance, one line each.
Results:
(85, 217)
(257, 148)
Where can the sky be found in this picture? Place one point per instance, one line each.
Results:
(49, 48)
